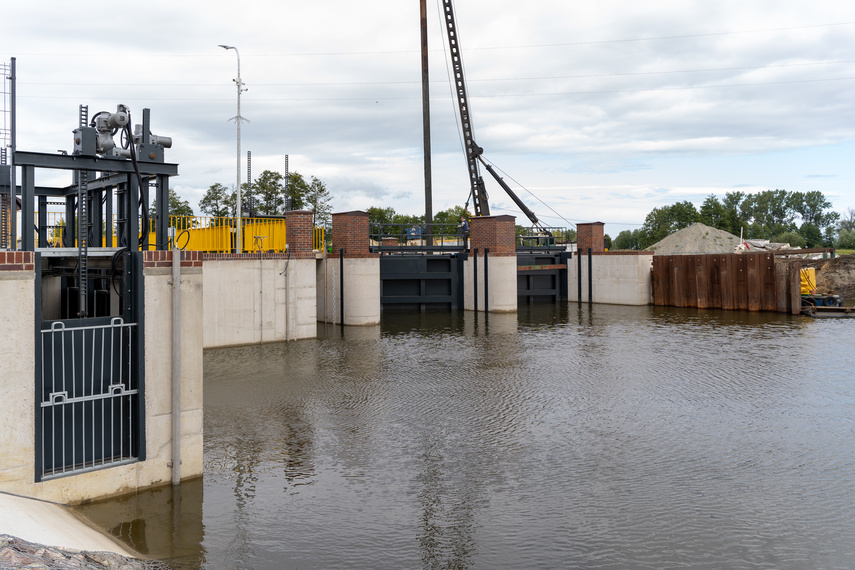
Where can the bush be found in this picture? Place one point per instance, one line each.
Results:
(793, 238)
(845, 240)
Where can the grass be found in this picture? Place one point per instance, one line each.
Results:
(844, 251)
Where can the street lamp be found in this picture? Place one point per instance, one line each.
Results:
(237, 120)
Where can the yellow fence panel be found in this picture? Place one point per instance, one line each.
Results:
(206, 233)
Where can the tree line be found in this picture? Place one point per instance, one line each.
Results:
(271, 195)
(802, 219)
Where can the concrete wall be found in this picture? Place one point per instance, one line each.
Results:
(617, 279)
(17, 377)
(502, 291)
(361, 290)
(248, 300)
(17, 380)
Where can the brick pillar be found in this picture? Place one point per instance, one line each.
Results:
(298, 228)
(350, 232)
(590, 235)
(494, 232)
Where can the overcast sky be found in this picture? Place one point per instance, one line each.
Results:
(596, 111)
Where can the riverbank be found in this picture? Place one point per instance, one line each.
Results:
(33, 531)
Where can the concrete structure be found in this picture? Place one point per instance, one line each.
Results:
(17, 377)
(350, 284)
(498, 292)
(253, 298)
(52, 525)
(620, 278)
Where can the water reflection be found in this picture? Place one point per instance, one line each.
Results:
(163, 523)
(560, 436)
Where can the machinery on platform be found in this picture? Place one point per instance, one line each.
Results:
(474, 153)
(87, 239)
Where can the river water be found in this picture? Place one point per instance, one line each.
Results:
(559, 437)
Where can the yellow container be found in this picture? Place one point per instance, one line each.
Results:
(808, 280)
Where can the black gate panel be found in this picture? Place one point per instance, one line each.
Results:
(541, 277)
(421, 282)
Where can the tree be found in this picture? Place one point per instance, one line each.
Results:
(177, 207)
(377, 215)
(845, 239)
(607, 241)
(269, 193)
(847, 221)
(298, 189)
(450, 217)
(712, 212)
(664, 221)
(217, 201)
(795, 239)
(318, 201)
(627, 240)
(811, 208)
(812, 234)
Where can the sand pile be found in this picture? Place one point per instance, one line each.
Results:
(697, 238)
(837, 276)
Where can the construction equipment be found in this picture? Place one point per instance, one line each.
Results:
(473, 151)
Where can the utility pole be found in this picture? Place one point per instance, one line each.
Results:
(238, 119)
(426, 121)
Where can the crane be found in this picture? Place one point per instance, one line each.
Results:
(473, 151)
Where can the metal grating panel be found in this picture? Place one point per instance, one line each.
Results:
(88, 397)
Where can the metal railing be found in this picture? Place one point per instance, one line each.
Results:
(199, 233)
(88, 398)
(390, 238)
(545, 239)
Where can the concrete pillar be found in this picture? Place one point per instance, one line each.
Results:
(590, 235)
(499, 292)
(352, 283)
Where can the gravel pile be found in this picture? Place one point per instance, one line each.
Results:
(697, 238)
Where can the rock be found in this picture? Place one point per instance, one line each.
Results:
(18, 553)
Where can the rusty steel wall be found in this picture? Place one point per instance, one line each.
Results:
(734, 281)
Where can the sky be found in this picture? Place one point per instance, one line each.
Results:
(593, 111)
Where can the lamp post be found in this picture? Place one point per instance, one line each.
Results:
(237, 120)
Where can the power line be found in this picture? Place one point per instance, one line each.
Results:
(536, 78)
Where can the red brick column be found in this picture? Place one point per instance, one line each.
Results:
(590, 235)
(17, 261)
(350, 232)
(298, 225)
(494, 232)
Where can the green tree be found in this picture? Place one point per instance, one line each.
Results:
(845, 239)
(218, 201)
(712, 212)
(812, 234)
(771, 209)
(447, 220)
(377, 215)
(811, 207)
(298, 190)
(607, 241)
(662, 222)
(627, 240)
(318, 201)
(795, 239)
(177, 207)
(268, 192)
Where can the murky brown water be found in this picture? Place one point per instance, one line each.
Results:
(603, 437)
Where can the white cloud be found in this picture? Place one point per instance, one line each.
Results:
(608, 109)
